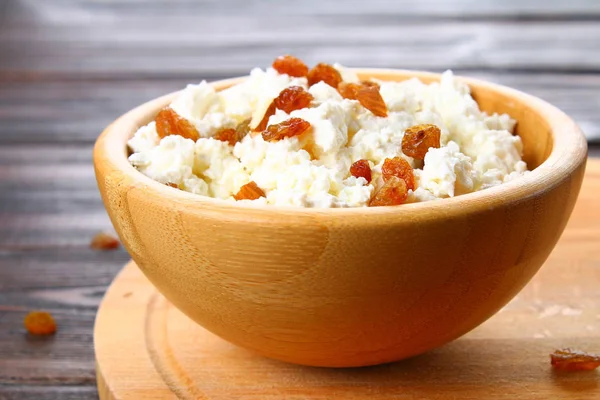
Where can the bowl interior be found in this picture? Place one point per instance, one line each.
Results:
(534, 130)
(553, 146)
(532, 127)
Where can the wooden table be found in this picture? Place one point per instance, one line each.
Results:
(69, 67)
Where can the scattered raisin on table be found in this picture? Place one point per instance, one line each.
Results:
(104, 241)
(419, 138)
(40, 323)
(361, 168)
(249, 191)
(288, 128)
(168, 122)
(574, 360)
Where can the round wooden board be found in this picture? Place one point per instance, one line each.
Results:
(147, 349)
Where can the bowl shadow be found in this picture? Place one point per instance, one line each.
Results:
(467, 368)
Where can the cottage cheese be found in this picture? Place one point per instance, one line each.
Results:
(477, 150)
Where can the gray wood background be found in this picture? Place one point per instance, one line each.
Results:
(69, 67)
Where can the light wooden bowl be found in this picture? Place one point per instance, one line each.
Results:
(348, 287)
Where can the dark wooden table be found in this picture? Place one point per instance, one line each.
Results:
(69, 67)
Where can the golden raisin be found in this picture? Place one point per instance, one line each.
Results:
(392, 193)
(242, 129)
(361, 168)
(370, 84)
(293, 98)
(419, 139)
(369, 98)
(349, 90)
(574, 360)
(290, 65)
(232, 136)
(250, 191)
(400, 168)
(265, 120)
(173, 185)
(226, 135)
(326, 73)
(104, 241)
(39, 323)
(288, 128)
(168, 122)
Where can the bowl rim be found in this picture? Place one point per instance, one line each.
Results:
(568, 152)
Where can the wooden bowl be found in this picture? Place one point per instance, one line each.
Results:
(348, 287)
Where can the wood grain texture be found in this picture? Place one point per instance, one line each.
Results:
(66, 92)
(75, 38)
(506, 357)
(456, 9)
(76, 110)
(112, 49)
(48, 392)
(48, 197)
(325, 302)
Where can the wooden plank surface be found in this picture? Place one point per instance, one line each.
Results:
(506, 357)
(456, 9)
(76, 110)
(124, 39)
(69, 67)
(126, 47)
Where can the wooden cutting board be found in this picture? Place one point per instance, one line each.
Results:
(147, 349)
